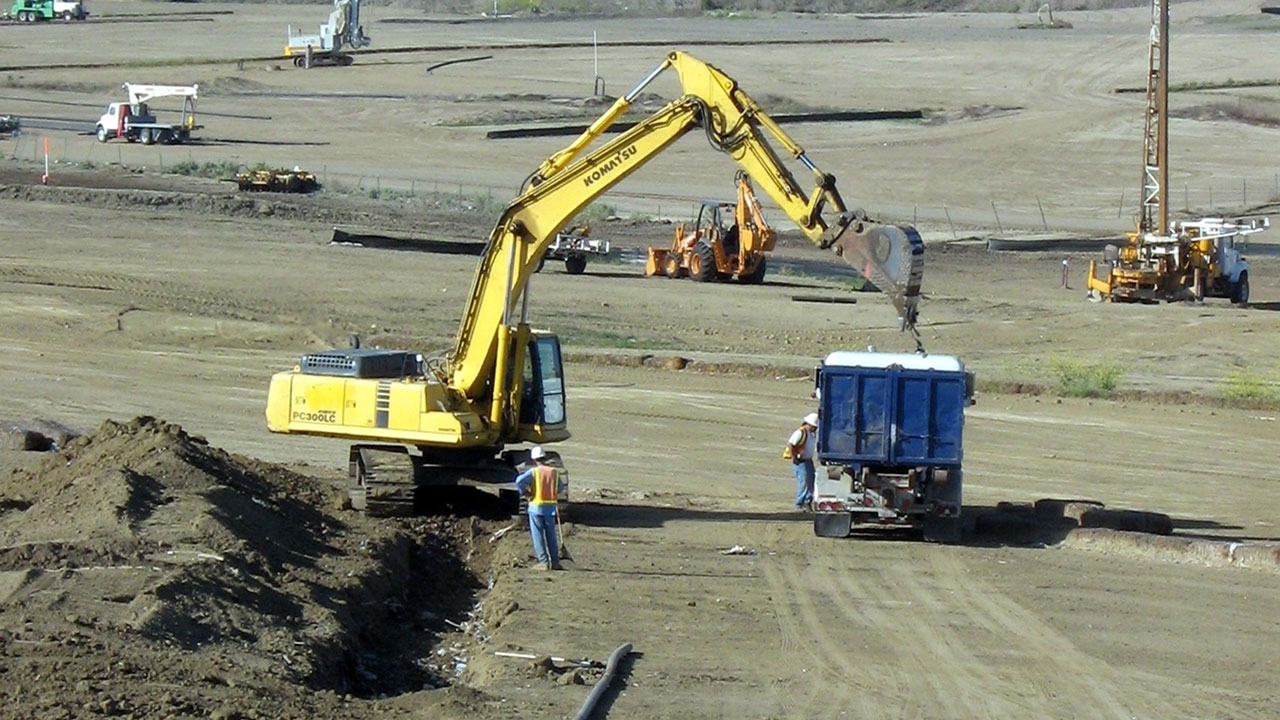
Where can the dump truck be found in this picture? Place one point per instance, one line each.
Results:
(890, 438)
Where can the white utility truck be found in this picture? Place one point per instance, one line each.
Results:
(133, 120)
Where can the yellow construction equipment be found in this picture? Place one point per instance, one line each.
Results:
(296, 180)
(714, 249)
(503, 383)
(1182, 260)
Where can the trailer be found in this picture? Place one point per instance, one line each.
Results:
(573, 247)
(133, 121)
(890, 438)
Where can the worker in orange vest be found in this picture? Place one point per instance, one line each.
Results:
(799, 450)
(539, 484)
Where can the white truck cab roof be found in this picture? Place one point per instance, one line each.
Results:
(908, 361)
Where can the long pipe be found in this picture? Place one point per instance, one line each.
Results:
(598, 691)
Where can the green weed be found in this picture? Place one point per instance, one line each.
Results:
(1080, 378)
(1250, 386)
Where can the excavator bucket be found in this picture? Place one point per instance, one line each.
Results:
(890, 256)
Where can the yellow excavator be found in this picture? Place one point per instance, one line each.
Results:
(503, 383)
(714, 249)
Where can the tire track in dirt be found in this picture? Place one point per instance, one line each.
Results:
(1094, 687)
(809, 628)
(169, 296)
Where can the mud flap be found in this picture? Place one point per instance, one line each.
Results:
(829, 524)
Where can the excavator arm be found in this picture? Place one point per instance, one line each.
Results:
(890, 256)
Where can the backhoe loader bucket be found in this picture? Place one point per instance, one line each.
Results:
(656, 262)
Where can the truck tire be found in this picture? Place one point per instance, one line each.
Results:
(102, 134)
(67, 16)
(147, 137)
(575, 264)
(24, 16)
(1240, 290)
(702, 263)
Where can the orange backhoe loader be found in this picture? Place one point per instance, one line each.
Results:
(714, 249)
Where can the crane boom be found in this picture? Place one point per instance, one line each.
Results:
(735, 124)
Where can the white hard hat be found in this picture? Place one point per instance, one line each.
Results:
(811, 419)
(537, 453)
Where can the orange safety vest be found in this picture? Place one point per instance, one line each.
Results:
(544, 485)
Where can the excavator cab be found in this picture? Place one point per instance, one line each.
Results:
(542, 400)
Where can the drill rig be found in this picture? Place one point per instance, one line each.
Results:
(1171, 261)
(325, 48)
(426, 421)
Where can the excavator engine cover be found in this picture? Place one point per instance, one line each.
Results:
(361, 363)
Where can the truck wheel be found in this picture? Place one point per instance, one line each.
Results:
(1240, 290)
(147, 137)
(67, 16)
(24, 16)
(102, 134)
(702, 263)
(575, 264)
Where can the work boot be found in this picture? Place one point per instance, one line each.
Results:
(557, 566)
(540, 566)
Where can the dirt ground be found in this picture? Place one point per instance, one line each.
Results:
(197, 566)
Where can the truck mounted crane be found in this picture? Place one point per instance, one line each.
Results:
(503, 383)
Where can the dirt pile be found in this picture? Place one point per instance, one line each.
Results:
(144, 573)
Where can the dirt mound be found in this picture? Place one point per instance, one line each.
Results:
(145, 573)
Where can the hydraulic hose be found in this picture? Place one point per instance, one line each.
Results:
(597, 692)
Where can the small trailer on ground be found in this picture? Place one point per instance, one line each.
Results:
(134, 121)
(574, 246)
(890, 442)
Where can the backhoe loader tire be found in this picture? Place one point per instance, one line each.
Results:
(702, 263)
(575, 264)
(672, 267)
(1240, 290)
(756, 277)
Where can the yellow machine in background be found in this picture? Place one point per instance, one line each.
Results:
(1182, 261)
(503, 383)
(714, 249)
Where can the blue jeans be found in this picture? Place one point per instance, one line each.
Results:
(543, 529)
(804, 483)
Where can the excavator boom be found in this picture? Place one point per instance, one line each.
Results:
(890, 256)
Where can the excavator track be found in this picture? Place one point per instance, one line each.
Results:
(382, 480)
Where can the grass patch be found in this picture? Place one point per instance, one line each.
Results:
(211, 169)
(1251, 387)
(597, 338)
(1079, 378)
